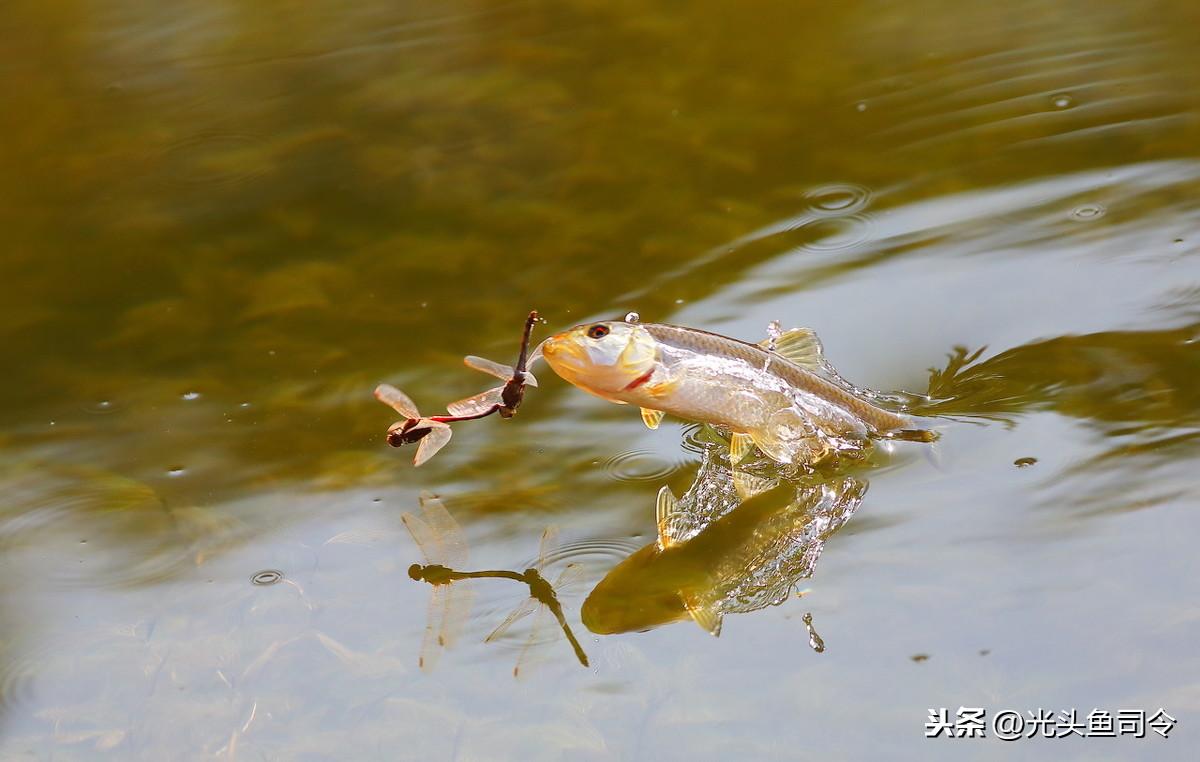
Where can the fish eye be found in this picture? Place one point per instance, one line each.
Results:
(598, 331)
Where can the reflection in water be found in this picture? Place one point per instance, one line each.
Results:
(717, 554)
(543, 598)
(442, 543)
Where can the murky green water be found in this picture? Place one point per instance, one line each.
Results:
(225, 222)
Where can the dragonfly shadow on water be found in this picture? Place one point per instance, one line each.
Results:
(444, 548)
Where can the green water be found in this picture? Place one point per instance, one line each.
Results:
(224, 223)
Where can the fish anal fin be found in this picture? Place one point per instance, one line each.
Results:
(665, 508)
(748, 485)
(799, 345)
(704, 614)
(739, 447)
(652, 417)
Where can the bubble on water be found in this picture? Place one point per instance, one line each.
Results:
(837, 199)
(1024, 462)
(189, 396)
(679, 301)
(101, 407)
(1088, 212)
(266, 577)
(1062, 100)
(860, 107)
(632, 317)
(244, 405)
(176, 471)
(639, 466)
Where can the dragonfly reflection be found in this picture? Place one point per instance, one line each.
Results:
(444, 548)
(542, 597)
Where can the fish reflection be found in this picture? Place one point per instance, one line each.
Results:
(718, 554)
(443, 546)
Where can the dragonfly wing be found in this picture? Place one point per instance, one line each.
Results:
(397, 400)
(548, 541)
(423, 535)
(430, 651)
(536, 631)
(490, 367)
(448, 537)
(523, 609)
(436, 439)
(570, 575)
(455, 612)
(476, 404)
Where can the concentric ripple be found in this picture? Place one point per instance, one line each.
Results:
(639, 466)
(837, 199)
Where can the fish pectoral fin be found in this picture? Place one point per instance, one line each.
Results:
(748, 485)
(704, 614)
(739, 447)
(666, 507)
(774, 448)
(799, 345)
(652, 417)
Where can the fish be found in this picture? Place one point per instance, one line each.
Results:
(717, 553)
(779, 394)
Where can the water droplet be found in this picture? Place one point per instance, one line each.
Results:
(837, 199)
(266, 577)
(1088, 212)
(1024, 462)
(1062, 100)
(189, 396)
(632, 317)
(175, 471)
(814, 640)
(102, 407)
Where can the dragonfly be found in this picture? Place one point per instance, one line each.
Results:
(443, 546)
(543, 598)
(505, 398)
(433, 432)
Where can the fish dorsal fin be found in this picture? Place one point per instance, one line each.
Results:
(704, 614)
(799, 345)
(739, 447)
(666, 509)
(652, 417)
(748, 485)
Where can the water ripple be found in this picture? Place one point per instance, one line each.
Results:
(640, 466)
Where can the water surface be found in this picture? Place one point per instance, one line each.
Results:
(226, 222)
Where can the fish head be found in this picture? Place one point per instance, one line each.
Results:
(604, 358)
(640, 593)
